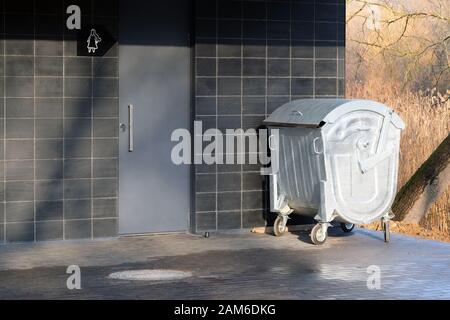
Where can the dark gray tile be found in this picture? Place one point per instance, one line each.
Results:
(278, 30)
(19, 45)
(2, 233)
(326, 12)
(303, 49)
(49, 169)
(206, 86)
(19, 232)
(105, 128)
(253, 181)
(229, 86)
(205, 201)
(105, 208)
(49, 7)
(229, 48)
(278, 86)
(19, 212)
(49, 230)
(19, 87)
(19, 128)
(205, 48)
(49, 107)
(19, 66)
(302, 68)
(229, 106)
(49, 47)
(77, 209)
(252, 122)
(229, 182)
(49, 87)
(229, 67)
(326, 50)
(19, 149)
(77, 148)
(278, 48)
(106, 107)
(302, 86)
(302, 30)
(78, 87)
(253, 105)
(78, 229)
(19, 24)
(252, 200)
(326, 68)
(77, 168)
(326, 31)
(106, 168)
(229, 220)
(105, 67)
(49, 25)
(205, 182)
(205, 221)
(19, 170)
(77, 128)
(49, 190)
(254, 67)
(326, 87)
(106, 148)
(105, 228)
(254, 10)
(49, 149)
(78, 107)
(103, 188)
(254, 86)
(341, 87)
(19, 191)
(303, 11)
(78, 66)
(49, 210)
(205, 9)
(106, 87)
(19, 107)
(229, 9)
(49, 66)
(229, 201)
(206, 67)
(254, 29)
(77, 189)
(229, 29)
(278, 68)
(49, 128)
(279, 10)
(254, 48)
(253, 218)
(205, 105)
(205, 28)
(228, 122)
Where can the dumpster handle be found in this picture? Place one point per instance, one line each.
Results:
(315, 146)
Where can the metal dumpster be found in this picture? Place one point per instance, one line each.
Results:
(337, 161)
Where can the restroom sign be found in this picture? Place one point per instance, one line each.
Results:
(93, 39)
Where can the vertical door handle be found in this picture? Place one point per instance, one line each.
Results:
(130, 128)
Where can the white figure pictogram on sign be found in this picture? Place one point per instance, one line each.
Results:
(92, 41)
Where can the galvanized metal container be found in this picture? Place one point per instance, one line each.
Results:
(337, 159)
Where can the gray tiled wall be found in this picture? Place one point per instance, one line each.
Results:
(58, 124)
(251, 57)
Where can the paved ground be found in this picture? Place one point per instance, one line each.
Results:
(236, 266)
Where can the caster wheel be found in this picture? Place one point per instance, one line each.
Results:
(279, 227)
(387, 231)
(319, 234)
(347, 227)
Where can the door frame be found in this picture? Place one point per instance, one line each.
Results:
(191, 219)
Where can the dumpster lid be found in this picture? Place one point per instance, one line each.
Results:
(317, 112)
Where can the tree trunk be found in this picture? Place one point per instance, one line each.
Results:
(424, 188)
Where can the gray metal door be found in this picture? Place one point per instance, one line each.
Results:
(155, 79)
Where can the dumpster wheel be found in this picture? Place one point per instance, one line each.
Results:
(279, 226)
(347, 227)
(319, 234)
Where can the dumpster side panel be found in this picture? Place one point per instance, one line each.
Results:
(300, 169)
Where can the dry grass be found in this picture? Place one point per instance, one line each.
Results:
(427, 124)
